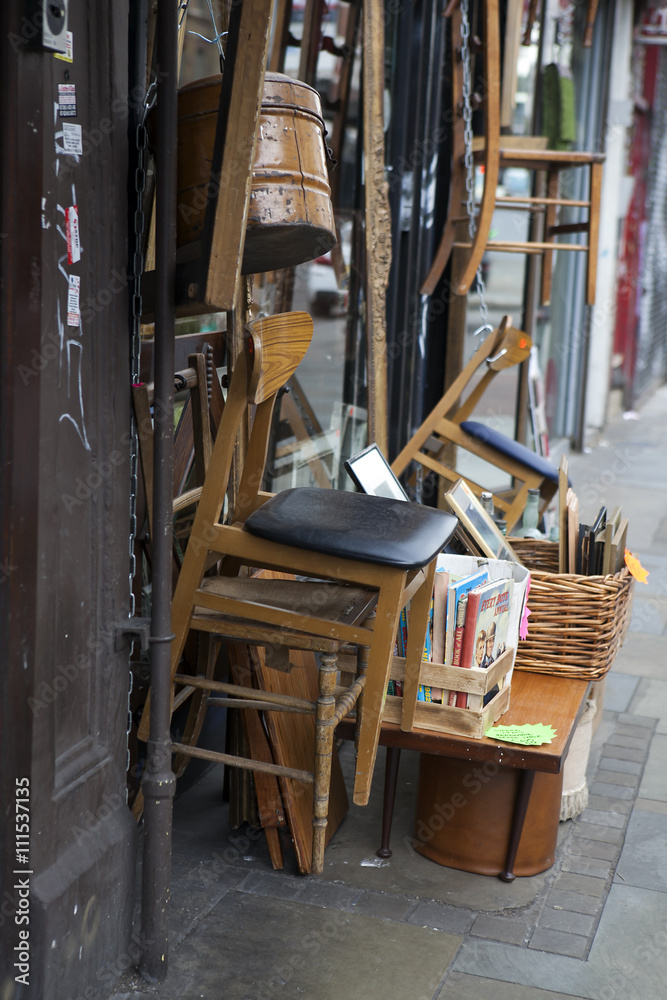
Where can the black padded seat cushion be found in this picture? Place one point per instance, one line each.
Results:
(354, 526)
(511, 448)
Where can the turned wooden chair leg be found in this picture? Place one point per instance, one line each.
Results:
(324, 737)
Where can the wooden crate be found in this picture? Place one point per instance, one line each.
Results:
(444, 718)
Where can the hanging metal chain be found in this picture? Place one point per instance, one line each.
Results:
(468, 157)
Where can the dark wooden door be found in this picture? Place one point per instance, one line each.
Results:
(64, 505)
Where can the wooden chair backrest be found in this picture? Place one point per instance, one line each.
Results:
(275, 346)
(511, 344)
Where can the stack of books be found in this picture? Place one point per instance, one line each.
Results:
(468, 627)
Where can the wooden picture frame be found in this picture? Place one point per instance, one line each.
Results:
(476, 524)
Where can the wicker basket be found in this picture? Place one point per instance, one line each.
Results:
(577, 623)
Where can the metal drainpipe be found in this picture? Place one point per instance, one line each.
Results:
(159, 782)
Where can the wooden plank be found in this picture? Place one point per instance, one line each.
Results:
(231, 170)
(378, 220)
(269, 800)
(595, 194)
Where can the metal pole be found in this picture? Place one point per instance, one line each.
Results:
(159, 782)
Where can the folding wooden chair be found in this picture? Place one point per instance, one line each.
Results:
(357, 560)
(448, 424)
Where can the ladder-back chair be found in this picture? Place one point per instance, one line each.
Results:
(358, 560)
(449, 424)
(495, 152)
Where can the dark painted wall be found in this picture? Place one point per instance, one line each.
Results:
(64, 506)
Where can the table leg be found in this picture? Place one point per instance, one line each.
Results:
(390, 781)
(526, 778)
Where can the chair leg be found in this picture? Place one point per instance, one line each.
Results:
(362, 670)
(390, 781)
(375, 690)
(324, 737)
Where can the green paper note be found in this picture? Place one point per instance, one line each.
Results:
(527, 735)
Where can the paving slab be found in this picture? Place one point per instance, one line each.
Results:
(497, 928)
(650, 699)
(439, 917)
(576, 902)
(612, 791)
(617, 777)
(588, 885)
(648, 617)
(618, 692)
(642, 654)
(246, 951)
(559, 942)
(463, 987)
(581, 865)
(594, 849)
(643, 860)
(628, 958)
(593, 831)
(384, 906)
(654, 780)
(571, 922)
(651, 805)
(630, 742)
(615, 805)
(632, 768)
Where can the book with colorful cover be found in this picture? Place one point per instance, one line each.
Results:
(457, 587)
(458, 643)
(425, 692)
(485, 631)
(440, 586)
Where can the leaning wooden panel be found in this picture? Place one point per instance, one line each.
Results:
(292, 738)
(269, 801)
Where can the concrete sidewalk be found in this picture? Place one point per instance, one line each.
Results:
(591, 927)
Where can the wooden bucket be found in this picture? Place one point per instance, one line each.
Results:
(290, 216)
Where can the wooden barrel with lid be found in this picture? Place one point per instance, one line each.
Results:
(290, 215)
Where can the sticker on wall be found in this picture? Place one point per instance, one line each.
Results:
(67, 100)
(73, 297)
(72, 234)
(68, 54)
(72, 139)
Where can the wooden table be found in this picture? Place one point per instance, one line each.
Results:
(553, 700)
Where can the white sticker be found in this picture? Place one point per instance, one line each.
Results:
(72, 139)
(73, 312)
(67, 100)
(72, 234)
(68, 54)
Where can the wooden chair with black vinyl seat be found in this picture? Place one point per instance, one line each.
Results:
(495, 152)
(357, 561)
(449, 424)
